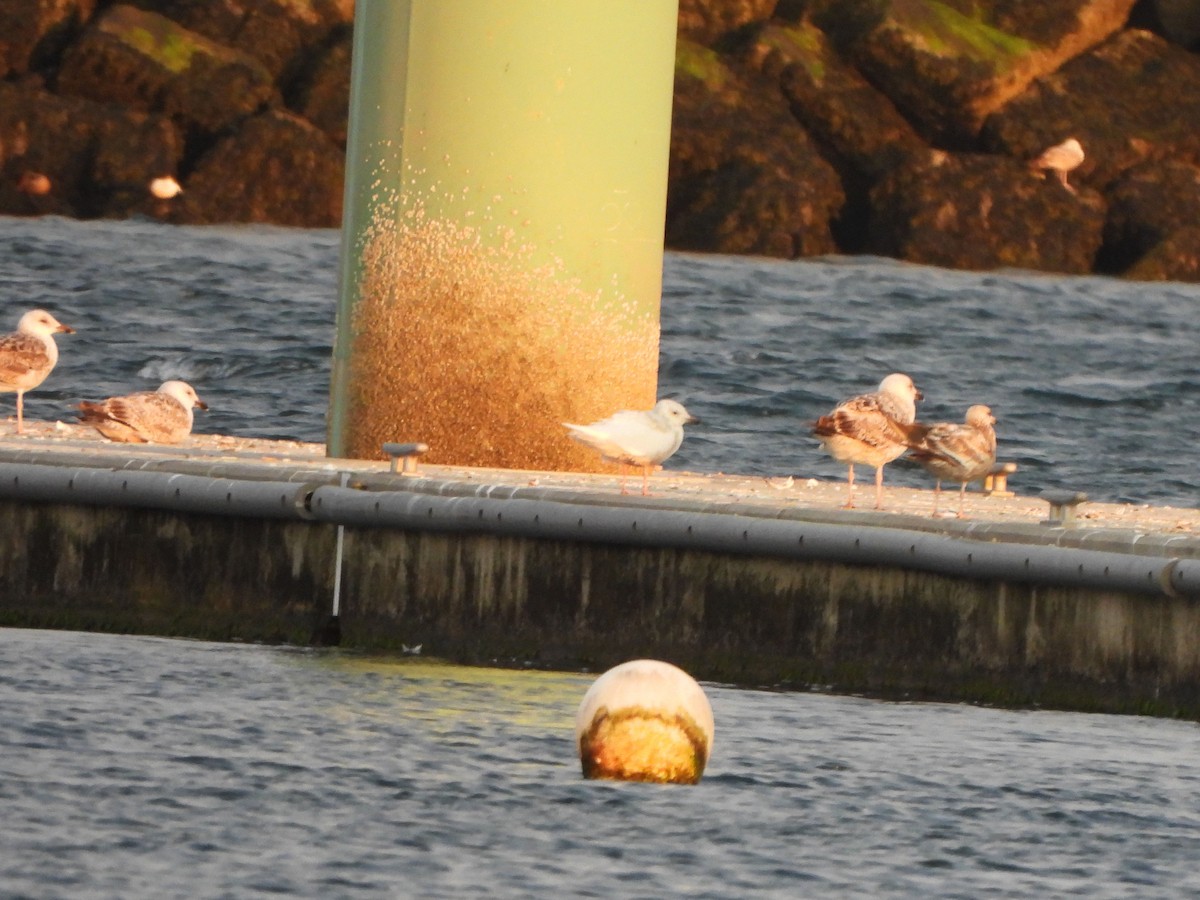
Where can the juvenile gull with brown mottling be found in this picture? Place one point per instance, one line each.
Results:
(871, 429)
(147, 417)
(27, 356)
(954, 451)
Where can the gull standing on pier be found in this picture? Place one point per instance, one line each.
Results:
(147, 417)
(27, 355)
(636, 438)
(871, 429)
(1061, 159)
(957, 452)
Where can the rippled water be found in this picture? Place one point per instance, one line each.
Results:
(1093, 379)
(143, 767)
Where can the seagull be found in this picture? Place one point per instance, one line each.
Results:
(147, 417)
(958, 452)
(636, 437)
(35, 184)
(1061, 159)
(165, 187)
(27, 355)
(871, 429)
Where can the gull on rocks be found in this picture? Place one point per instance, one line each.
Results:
(165, 187)
(872, 429)
(961, 452)
(27, 355)
(147, 417)
(1061, 159)
(35, 184)
(636, 437)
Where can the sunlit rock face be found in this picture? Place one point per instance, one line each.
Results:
(975, 211)
(788, 116)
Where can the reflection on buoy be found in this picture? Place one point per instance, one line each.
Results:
(644, 720)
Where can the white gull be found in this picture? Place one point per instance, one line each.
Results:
(636, 437)
(1061, 159)
(165, 187)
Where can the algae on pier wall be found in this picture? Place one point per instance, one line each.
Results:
(496, 599)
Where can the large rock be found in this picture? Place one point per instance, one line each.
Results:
(744, 176)
(1176, 20)
(323, 95)
(33, 32)
(833, 102)
(1174, 258)
(858, 130)
(280, 34)
(96, 159)
(1151, 206)
(147, 62)
(948, 64)
(1134, 98)
(707, 21)
(984, 212)
(275, 168)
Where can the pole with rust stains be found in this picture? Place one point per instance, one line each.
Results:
(502, 244)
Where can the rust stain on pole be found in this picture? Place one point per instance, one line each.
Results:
(503, 238)
(470, 347)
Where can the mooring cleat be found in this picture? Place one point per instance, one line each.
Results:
(1062, 507)
(995, 483)
(404, 456)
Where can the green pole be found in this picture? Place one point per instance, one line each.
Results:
(502, 242)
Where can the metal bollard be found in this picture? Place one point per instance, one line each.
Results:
(1062, 507)
(404, 456)
(995, 483)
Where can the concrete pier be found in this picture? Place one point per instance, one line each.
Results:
(736, 579)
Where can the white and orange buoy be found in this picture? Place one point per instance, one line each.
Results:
(644, 720)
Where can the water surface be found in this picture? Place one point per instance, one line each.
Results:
(145, 767)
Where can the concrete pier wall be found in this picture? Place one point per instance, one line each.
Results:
(485, 597)
(97, 568)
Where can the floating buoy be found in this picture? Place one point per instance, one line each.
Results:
(644, 720)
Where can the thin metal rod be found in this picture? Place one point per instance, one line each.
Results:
(337, 561)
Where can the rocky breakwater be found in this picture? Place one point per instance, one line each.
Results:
(243, 103)
(904, 128)
(907, 128)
